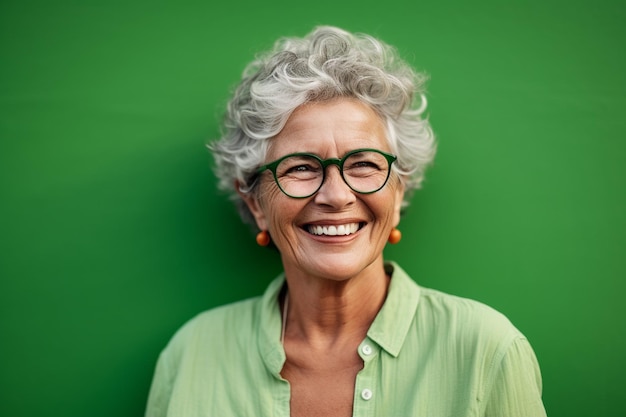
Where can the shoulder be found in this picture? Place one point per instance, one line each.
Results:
(210, 335)
(462, 311)
(239, 311)
(469, 320)
(446, 314)
(453, 321)
(200, 344)
(224, 330)
(216, 324)
(489, 350)
(436, 321)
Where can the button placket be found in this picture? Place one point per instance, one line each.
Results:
(365, 388)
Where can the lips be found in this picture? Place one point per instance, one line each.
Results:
(333, 230)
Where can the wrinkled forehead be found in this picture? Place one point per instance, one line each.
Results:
(330, 129)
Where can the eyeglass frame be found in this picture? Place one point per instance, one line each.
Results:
(325, 163)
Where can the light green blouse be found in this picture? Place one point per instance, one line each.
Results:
(426, 354)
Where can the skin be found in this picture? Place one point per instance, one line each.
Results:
(336, 284)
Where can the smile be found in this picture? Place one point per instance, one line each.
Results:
(334, 230)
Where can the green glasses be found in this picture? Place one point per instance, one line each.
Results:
(300, 175)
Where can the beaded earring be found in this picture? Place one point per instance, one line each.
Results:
(394, 236)
(263, 238)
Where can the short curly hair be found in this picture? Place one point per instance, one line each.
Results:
(325, 64)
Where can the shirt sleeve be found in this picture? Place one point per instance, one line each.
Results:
(516, 387)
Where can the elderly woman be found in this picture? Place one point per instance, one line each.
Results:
(324, 141)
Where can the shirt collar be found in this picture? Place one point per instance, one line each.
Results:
(388, 330)
(269, 327)
(392, 323)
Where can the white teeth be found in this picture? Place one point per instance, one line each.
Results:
(341, 230)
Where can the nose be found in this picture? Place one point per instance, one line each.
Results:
(334, 191)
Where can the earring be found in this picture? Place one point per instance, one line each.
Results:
(394, 236)
(263, 238)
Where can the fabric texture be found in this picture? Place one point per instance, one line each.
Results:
(426, 354)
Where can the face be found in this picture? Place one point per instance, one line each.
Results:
(328, 129)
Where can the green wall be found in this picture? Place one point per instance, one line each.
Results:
(112, 233)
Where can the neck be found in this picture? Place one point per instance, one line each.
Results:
(323, 312)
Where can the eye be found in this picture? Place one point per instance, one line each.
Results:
(364, 164)
(299, 167)
(365, 161)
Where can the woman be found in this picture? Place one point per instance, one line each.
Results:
(323, 144)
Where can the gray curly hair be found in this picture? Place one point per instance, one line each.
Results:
(325, 64)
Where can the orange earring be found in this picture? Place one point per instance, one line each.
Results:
(263, 238)
(394, 236)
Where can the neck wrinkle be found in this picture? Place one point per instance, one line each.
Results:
(323, 313)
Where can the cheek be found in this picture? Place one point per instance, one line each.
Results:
(399, 202)
(277, 207)
(395, 197)
(268, 197)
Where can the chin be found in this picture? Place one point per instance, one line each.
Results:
(340, 267)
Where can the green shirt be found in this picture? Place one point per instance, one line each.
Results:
(426, 354)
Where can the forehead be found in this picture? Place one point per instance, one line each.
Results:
(330, 129)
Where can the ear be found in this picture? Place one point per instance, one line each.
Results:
(254, 206)
(399, 199)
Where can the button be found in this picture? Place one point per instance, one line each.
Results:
(366, 349)
(366, 394)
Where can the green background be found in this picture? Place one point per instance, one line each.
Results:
(112, 233)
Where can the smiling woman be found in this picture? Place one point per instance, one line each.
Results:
(324, 141)
(330, 129)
